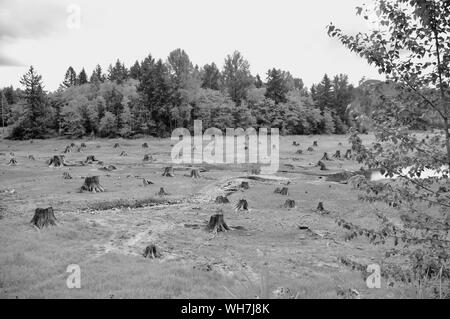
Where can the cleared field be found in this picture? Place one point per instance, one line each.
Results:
(269, 247)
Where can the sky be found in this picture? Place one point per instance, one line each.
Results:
(290, 35)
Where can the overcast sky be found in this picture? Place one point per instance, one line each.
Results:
(285, 34)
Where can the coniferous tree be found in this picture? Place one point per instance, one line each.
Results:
(71, 78)
(237, 77)
(82, 77)
(277, 86)
(135, 71)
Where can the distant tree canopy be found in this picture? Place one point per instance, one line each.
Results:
(153, 97)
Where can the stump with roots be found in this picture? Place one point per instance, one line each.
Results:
(245, 185)
(146, 182)
(322, 166)
(66, 175)
(310, 149)
(320, 207)
(337, 155)
(72, 145)
(12, 162)
(56, 161)
(217, 224)
(299, 152)
(92, 184)
(282, 191)
(289, 204)
(168, 172)
(90, 159)
(151, 252)
(315, 144)
(222, 200)
(348, 155)
(83, 145)
(295, 144)
(124, 154)
(195, 174)
(31, 158)
(148, 158)
(117, 145)
(43, 217)
(256, 171)
(68, 149)
(145, 145)
(242, 204)
(325, 157)
(162, 192)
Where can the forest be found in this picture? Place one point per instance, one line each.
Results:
(153, 97)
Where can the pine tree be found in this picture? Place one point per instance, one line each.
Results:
(97, 75)
(82, 77)
(277, 87)
(258, 82)
(135, 71)
(237, 77)
(71, 78)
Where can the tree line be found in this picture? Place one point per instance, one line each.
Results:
(153, 97)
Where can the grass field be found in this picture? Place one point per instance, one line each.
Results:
(106, 233)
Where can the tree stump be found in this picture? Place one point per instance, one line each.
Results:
(320, 207)
(222, 200)
(66, 175)
(289, 204)
(242, 204)
(162, 192)
(56, 161)
(146, 182)
(340, 144)
(315, 144)
(245, 185)
(325, 157)
(151, 252)
(322, 166)
(124, 154)
(92, 184)
(31, 158)
(310, 149)
(90, 159)
(79, 149)
(12, 162)
(348, 155)
(68, 149)
(72, 145)
(295, 144)
(337, 155)
(117, 145)
(148, 158)
(145, 145)
(43, 217)
(282, 191)
(195, 173)
(300, 152)
(217, 224)
(83, 145)
(168, 172)
(256, 171)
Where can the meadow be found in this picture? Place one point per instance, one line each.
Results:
(271, 251)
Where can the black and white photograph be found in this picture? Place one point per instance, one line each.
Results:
(224, 155)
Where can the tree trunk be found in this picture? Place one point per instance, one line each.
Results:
(145, 145)
(162, 192)
(56, 161)
(151, 252)
(66, 175)
(43, 217)
(168, 172)
(217, 224)
(92, 184)
(222, 200)
(195, 174)
(90, 159)
(325, 157)
(320, 207)
(117, 145)
(315, 144)
(322, 165)
(68, 149)
(289, 204)
(12, 162)
(242, 204)
(124, 154)
(348, 155)
(337, 155)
